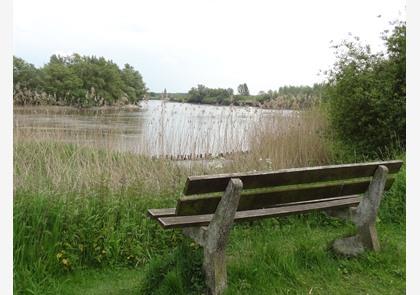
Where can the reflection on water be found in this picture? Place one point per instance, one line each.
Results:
(157, 128)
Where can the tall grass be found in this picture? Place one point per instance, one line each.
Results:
(292, 141)
(44, 163)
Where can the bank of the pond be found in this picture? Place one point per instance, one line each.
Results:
(82, 209)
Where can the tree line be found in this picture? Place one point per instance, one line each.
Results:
(285, 97)
(77, 81)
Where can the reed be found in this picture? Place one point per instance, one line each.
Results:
(45, 161)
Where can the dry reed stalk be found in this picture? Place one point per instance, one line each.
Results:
(91, 162)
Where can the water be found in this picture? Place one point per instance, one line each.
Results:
(157, 128)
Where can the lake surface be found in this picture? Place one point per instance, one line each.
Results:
(157, 128)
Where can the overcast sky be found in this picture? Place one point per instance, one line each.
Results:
(179, 44)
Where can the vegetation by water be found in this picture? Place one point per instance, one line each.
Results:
(365, 94)
(286, 97)
(76, 80)
(86, 81)
(79, 208)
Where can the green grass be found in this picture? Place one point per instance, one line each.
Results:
(96, 234)
(90, 237)
(278, 256)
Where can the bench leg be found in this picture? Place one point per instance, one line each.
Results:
(214, 238)
(364, 218)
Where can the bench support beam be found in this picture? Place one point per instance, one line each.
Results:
(364, 218)
(214, 238)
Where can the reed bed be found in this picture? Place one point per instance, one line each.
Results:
(45, 161)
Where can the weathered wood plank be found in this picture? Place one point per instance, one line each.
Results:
(155, 213)
(214, 263)
(199, 205)
(201, 220)
(218, 183)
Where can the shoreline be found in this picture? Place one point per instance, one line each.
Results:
(52, 108)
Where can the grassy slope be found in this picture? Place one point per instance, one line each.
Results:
(274, 256)
(277, 257)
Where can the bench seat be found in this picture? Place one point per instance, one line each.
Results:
(172, 221)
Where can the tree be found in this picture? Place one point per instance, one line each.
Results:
(134, 86)
(243, 89)
(25, 74)
(81, 80)
(62, 81)
(365, 94)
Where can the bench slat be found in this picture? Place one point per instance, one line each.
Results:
(217, 183)
(155, 213)
(201, 220)
(199, 205)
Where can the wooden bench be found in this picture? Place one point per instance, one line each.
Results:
(207, 218)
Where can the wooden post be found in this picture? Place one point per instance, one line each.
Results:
(214, 238)
(368, 209)
(365, 217)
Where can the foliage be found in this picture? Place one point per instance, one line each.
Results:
(203, 94)
(287, 97)
(78, 81)
(292, 97)
(393, 206)
(243, 89)
(365, 94)
(25, 75)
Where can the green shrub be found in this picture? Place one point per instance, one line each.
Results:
(365, 95)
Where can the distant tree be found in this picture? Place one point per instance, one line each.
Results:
(203, 94)
(134, 85)
(61, 80)
(80, 80)
(243, 89)
(25, 75)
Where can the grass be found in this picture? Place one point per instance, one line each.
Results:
(279, 256)
(80, 224)
(56, 237)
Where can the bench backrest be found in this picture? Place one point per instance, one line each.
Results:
(277, 188)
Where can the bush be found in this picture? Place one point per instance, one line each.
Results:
(365, 94)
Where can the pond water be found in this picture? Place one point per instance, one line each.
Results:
(157, 128)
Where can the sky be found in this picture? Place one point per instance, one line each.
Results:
(179, 44)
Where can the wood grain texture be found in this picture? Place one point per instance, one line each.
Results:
(217, 183)
(155, 213)
(201, 220)
(199, 205)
